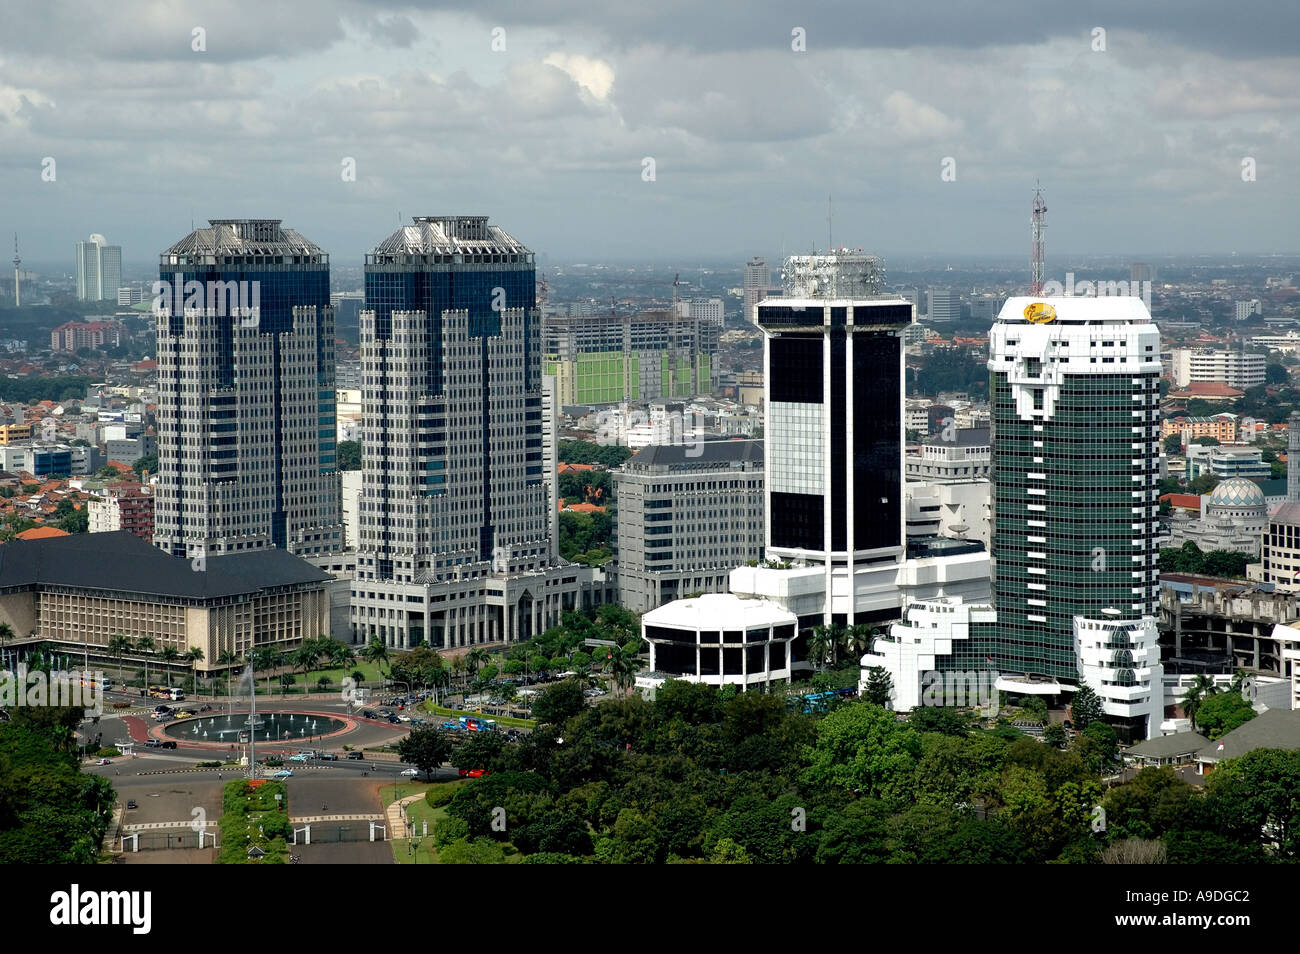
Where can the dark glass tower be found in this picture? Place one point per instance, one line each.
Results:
(247, 434)
(454, 490)
(834, 435)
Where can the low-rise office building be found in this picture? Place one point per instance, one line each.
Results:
(79, 591)
(687, 514)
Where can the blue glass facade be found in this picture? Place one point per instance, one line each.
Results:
(279, 288)
(435, 289)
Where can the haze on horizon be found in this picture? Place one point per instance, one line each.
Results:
(1139, 147)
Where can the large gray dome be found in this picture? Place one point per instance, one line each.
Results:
(1237, 493)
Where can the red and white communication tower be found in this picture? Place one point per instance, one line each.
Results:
(1039, 224)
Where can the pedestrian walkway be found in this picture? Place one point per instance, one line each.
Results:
(397, 827)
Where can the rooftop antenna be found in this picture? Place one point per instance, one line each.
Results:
(1038, 225)
(830, 212)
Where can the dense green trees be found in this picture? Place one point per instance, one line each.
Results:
(700, 776)
(1222, 712)
(585, 452)
(585, 537)
(50, 813)
(1189, 559)
(349, 455)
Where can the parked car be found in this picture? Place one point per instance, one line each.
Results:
(394, 720)
(404, 718)
(355, 755)
(130, 803)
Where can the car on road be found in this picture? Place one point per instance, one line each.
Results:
(368, 714)
(153, 744)
(300, 757)
(162, 708)
(169, 744)
(105, 762)
(474, 773)
(328, 757)
(451, 725)
(355, 755)
(394, 720)
(410, 773)
(130, 803)
(404, 718)
(283, 773)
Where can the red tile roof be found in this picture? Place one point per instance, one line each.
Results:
(1185, 501)
(42, 533)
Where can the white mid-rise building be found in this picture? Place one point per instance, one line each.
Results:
(1237, 369)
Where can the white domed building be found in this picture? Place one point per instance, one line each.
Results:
(1233, 516)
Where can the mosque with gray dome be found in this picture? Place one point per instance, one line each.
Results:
(1233, 516)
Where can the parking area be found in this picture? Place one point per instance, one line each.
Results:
(170, 799)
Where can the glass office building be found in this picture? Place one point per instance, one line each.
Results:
(247, 436)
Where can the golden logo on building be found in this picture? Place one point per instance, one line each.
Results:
(1040, 313)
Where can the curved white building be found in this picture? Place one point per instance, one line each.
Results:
(719, 638)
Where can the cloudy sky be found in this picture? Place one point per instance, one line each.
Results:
(1136, 117)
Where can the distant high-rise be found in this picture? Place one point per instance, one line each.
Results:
(757, 279)
(1141, 272)
(942, 305)
(18, 275)
(99, 269)
(456, 546)
(246, 405)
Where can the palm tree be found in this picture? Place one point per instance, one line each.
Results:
(476, 658)
(228, 659)
(169, 655)
(194, 655)
(458, 664)
(623, 665)
(858, 638)
(1201, 687)
(376, 652)
(823, 643)
(262, 659)
(119, 646)
(144, 646)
